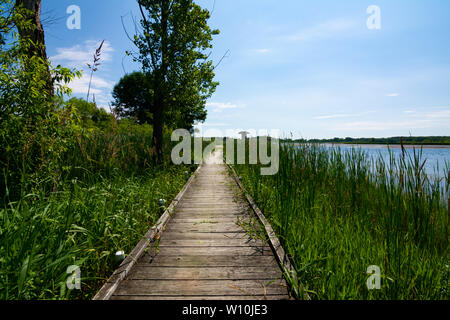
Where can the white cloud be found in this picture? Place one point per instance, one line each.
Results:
(342, 115)
(214, 124)
(262, 51)
(221, 106)
(323, 30)
(445, 114)
(384, 125)
(78, 57)
(393, 95)
(80, 86)
(411, 120)
(332, 116)
(438, 113)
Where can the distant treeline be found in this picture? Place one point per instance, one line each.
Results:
(432, 140)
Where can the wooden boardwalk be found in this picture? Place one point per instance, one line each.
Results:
(211, 248)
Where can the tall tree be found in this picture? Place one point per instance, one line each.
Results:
(133, 98)
(33, 132)
(172, 50)
(33, 33)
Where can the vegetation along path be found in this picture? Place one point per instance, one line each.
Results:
(211, 248)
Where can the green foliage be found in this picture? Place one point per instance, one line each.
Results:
(89, 116)
(83, 224)
(133, 98)
(172, 50)
(32, 134)
(338, 212)
(76, 185)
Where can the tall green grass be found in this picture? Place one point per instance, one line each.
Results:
(103, 197)
(339, 212)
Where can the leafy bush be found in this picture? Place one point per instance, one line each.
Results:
(33, 135)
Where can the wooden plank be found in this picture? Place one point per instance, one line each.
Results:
(216, 196)
(112, 284)
(204, 252)
(209, 219)
(210, 261)
(206, 196)
(201, 287)
(196, 218)
(168, 242)
(205, 273)
(173, 235)
(152, 272)
(209, 251)
(205, 298)
(207, 223)
(208, 205)
(213, 209)
(206, 214)
(189, 227)
(201, 213)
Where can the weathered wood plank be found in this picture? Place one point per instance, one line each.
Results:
(207, 205)
(204, 252)
(205, 196)
(201, 287)
(209, 219)
(210, 251)
(199, 298)
(206, 214)
(213, 209)
(204, 273)
(189, 227)
(172, 235)
(203, 223)
(112, 284)
(222, 242)
(210, 261)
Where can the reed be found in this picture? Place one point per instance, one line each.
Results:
(338, 212)
(103, 199)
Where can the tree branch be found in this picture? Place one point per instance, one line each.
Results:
(223, 57)
(146, 26)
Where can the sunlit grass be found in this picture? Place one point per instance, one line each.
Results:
(103, 198)
(339, 212)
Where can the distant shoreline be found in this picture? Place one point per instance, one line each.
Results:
(429, 142)
(377, 146)
(392, 146)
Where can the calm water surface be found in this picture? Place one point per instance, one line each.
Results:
(438, 157)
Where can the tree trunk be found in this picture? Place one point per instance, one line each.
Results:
(36, 35)
(158, 131)
(161, 85)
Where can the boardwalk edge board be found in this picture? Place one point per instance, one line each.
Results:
(125, 267)
(281, 256)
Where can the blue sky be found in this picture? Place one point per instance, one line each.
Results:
(311, 68)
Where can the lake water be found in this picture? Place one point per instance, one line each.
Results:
(436, 156)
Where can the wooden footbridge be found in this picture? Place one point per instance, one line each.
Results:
(209, 244)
